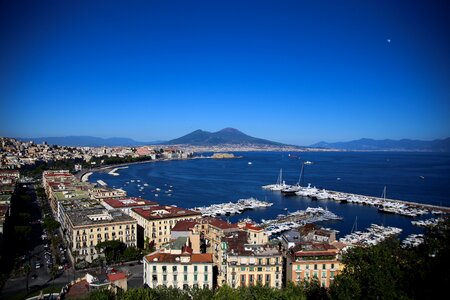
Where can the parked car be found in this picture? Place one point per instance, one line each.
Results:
(38, 265)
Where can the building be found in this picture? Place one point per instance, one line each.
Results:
(155, 222)
(180, 269)
(251, 264)
(309, 260)
(86, 228)
(100, 193)
(125, 204)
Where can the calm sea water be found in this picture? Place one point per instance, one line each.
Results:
(201, 182)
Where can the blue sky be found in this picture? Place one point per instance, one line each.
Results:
(291, 71)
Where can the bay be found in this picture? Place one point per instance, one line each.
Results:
(418, 177)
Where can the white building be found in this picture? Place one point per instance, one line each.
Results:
(179, 269)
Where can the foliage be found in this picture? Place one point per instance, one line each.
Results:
(387, 271)
(50, 224)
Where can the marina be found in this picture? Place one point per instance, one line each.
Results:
(413, 240)
(232, 208)
(374, 235)
(298, 218)
(384, 205)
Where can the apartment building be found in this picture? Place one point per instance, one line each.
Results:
(250, 264)
(309, 260)
(86, 228)
(155, 222)
(180, 269)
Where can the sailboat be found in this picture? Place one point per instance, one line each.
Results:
(295, 188)
(383, 207)
(280, 185)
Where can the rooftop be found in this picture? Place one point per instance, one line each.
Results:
(184, 225)
(88, 217)
(116, 276)
(164, 212)
(313, 249)
(219, 223)
(185, 258)
(128, 202)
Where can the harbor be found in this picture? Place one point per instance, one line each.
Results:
(298, 218)
(372, 236)
(383, 204)
(232, 208)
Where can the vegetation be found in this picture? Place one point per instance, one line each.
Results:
(384, 271)
(115, 251)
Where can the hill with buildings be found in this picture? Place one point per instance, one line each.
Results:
(439, 145)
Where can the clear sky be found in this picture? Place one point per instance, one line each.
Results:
(290, 71)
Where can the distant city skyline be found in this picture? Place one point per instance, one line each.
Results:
(294, 72)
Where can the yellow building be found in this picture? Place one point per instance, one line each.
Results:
(309, 260)
(155, 222)
(251, 264)
(86, 228)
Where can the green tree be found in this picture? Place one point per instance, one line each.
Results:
(227, 293)
(140, 294)
(50, 224)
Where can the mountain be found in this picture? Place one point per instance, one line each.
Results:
(88, 141)
(224, 136)
(389, 145)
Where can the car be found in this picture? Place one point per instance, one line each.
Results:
(60, 267)
(38, 265)
(34, 276)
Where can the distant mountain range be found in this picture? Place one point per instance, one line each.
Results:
(389, 145)
(224, 136)
(88, 141)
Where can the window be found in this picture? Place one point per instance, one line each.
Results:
(260, 261)
(276, 260)
(154, 268)
(174, 268)
(332, 266)
(164, 277)
(154, 278)
(206, 286)
(307, 267)
(242, 268)
(324, 266)
(185, 277)
(315, 266)
(206, 277)
(185, 269)
(332, 274)
(324, 274)
(259, 269)
(206, 268)
(260, 277)
(267, 278)
(195, 277)
(195, 268)
(298, 267)
(242, 279)
(174, 277)
(267, 261)
(164, 269)
(250, 279)
(251, 269)
(315, 274)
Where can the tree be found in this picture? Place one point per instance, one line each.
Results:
(27, 270)
(50, 224)
(140, 294)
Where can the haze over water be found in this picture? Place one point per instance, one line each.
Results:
(202, 182)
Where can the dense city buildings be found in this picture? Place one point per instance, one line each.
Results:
(156, 222)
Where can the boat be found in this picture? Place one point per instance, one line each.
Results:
(308, 162)
(279, 185)
(249, 162)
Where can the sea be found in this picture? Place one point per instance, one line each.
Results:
(410, 176)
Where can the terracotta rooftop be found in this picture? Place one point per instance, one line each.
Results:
(252, 227)
(219, 223)
(116, 276)
(164, 212)
(184, 225)
(313, 249)
(172, 258)
(78, 290)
